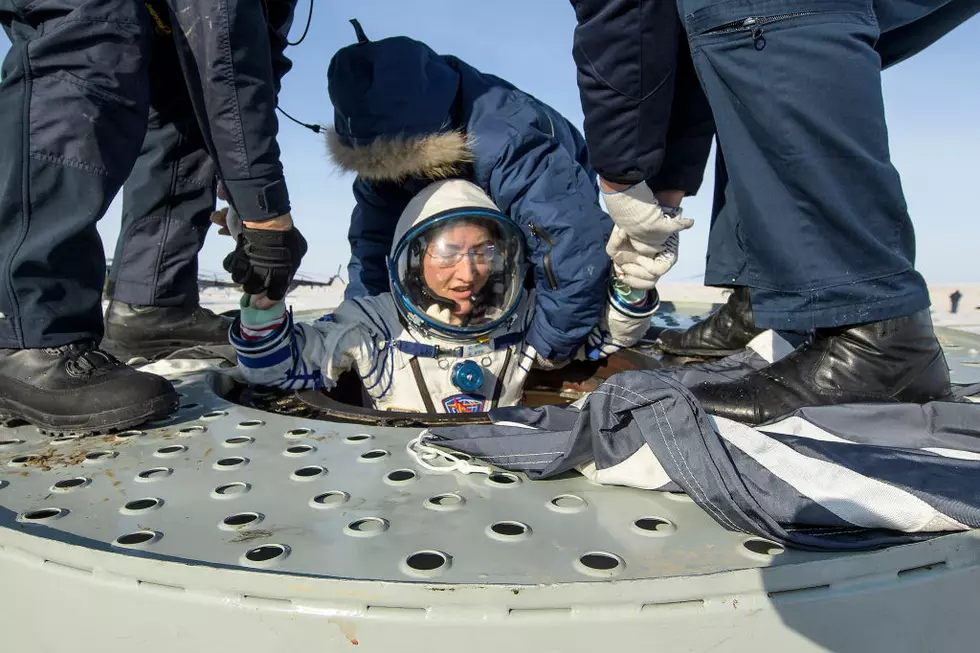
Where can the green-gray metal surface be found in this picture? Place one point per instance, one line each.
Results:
(74, 574)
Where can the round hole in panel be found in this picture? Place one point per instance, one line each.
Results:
(192, 430)
(99, 456)
(299, 450)
(445, 502)
(298, 433)
(127, 435)
(508, 531)
(330, 499)
(251, 424)
(267, 555)
(190, 406)
(154, 474)
(137, 539)
(70, 484)
(140, 506)
(502, 479)
(366, 527)
(308, 473)
(42, 515)
(230, 490)
(10, 442)
(240, 520)
(214, 414)
(763, 548)
(653, 526)
(232, 462)
(568, 503)
(64, 438)
(170, 451)
(21, 461)
(358, 437)
(600, 563)
(238, 441)
(426, 564)
(400, 476)
(373, 456)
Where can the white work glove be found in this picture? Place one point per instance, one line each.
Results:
(645, 239)
(638, 266)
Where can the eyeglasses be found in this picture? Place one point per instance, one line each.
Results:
(447, 256)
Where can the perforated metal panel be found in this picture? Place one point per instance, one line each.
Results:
(226, 529)
(225, 485)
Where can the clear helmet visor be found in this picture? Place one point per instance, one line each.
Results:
(461, 273)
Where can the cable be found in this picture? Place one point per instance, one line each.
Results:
(316, 129)
(306, 30)
(309, 19)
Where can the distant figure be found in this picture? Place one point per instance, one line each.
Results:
(954, 301)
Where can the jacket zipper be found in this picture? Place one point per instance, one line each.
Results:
(755, 25)
(754, 21)
(543, 236)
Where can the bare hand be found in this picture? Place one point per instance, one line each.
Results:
(220, 218)
(262, 302)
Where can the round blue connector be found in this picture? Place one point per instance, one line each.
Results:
(467, 376)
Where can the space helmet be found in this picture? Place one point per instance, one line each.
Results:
(458, 265)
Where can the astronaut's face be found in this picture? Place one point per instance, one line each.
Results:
(457, 264)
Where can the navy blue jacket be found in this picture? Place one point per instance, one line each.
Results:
(406, 116)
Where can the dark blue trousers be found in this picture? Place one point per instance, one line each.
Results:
(75, 116)
(646, 117)
(73, 113)
(170, 195)
(813, 217)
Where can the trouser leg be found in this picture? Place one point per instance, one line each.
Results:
(816, 208)
(73, 110)
(168, 198)
(645, 114)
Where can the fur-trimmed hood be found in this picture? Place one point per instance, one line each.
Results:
(393, 104)
(434, 156)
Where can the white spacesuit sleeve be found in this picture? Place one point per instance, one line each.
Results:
(615, 331)
(276, 352)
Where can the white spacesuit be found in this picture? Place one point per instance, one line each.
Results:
(449, 337)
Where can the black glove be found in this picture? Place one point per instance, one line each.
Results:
(264, 261)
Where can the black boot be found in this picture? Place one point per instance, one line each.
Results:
(896, 360)
(723, 333)
(78, 389)
(155, 331)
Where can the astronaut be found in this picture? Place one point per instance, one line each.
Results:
(450, 336)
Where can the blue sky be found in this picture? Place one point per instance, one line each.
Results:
(932, 103)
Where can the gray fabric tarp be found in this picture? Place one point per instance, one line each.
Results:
(836, 477)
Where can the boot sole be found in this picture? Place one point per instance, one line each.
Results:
(109, 421)
(151, 350)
